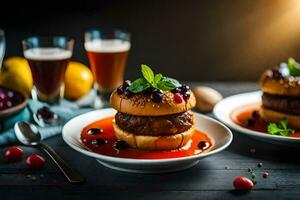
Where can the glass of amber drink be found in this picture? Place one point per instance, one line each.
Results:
(48, 58)
(107, 52)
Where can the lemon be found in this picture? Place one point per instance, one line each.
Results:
(16, 75)
(78, 80)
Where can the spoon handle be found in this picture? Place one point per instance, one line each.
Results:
(72, 175)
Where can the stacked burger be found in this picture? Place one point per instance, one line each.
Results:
(281, 94)
(154, 112)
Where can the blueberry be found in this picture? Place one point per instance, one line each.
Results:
(203, 145)
(121, 144)
(128, 94)
(176, 90)
(255, 114)
(156, 97)
(126, 83)
(120, 90)
(249, 122)
(98, 141)
(184, 89)
(45, 113)
(186, 95)
(93, 131)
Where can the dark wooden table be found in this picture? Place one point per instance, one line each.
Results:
(210, 179)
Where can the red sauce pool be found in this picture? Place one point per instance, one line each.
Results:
(107, 149)
(241, 115)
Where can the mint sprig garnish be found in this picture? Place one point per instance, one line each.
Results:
(153, 81)
(280, 129)
(294, 67)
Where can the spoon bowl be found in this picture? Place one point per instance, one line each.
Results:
(27, 134)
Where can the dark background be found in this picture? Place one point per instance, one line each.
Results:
(192, 40)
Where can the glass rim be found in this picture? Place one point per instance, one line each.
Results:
(107, 30)
(45, 37)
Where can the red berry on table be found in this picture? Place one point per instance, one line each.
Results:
(13, 154)
(35, 161)
(265, 174)
(178, 98)
(243, 183)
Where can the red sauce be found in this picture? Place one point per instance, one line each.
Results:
(241, 115)
(108, 149)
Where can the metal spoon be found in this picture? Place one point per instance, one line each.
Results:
(28, 134)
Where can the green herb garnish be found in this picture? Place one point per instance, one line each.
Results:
(155, 82)
(294, 67)
(280, 129)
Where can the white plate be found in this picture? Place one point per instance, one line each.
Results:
(220, 135)
(224, 108)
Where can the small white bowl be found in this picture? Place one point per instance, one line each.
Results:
(224, 108)
(220, 135)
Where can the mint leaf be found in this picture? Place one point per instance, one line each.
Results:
(139, 85)
(165, 85)
(148, 73)
(280, 129)
(172, 81)
(157, 78)
(294, 67)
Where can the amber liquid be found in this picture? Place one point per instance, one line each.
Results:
(108, 68)
(48, 76)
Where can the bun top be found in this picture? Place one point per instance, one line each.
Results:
(273, 81)
(142, 105)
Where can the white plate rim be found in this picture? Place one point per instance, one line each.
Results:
(143, 161)
(253, 97)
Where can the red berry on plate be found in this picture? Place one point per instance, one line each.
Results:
(35, 161)
(243, 183)
(265, 174)
(13, 154)
(178, 98)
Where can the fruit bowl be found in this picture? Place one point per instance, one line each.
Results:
(11, 102)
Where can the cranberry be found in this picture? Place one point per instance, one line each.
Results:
(156, 97)
(98, 141)
(9, 104)
(93, 131)
(178, 98)
(35, 161)
(121, 144)
(13, 154)
(46, 113)
(243, 183)
(265, 174)
(203, 145)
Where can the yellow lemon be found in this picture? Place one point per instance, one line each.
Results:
(78, 80)
(15, 74)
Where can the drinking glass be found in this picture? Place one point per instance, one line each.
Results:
(2, 46)
(107, 52)
(48, 58)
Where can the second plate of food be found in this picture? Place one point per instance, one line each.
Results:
(241, 113)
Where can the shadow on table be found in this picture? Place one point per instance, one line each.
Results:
(247, 146)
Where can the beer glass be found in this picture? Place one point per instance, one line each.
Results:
(107, 52)
(2, 46)
(48, 58)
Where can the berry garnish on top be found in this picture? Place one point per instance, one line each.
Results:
(154, 86)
